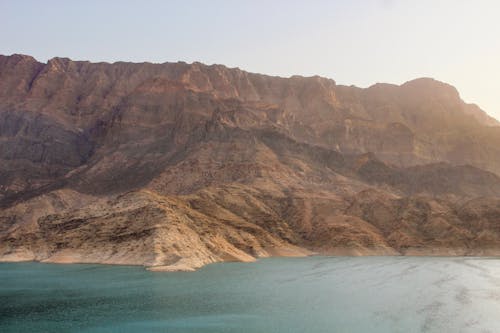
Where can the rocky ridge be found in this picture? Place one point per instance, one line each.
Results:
(174, 166)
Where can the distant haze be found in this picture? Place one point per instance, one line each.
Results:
(353, 42)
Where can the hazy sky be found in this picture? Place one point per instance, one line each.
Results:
(353, 42)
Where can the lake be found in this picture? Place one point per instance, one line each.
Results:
(313, 294)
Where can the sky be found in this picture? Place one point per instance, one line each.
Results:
(354, 42)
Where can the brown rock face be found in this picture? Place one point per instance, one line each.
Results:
(177, 165)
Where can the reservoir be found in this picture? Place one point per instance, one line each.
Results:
(313, 294)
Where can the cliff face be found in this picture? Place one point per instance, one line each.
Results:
(178, 165)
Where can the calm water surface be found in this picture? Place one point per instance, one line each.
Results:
(316, 294)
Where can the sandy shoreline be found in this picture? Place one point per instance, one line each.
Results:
(185, 265)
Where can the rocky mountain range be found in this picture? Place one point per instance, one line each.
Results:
(175, 165)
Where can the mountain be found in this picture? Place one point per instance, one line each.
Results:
(174, 166)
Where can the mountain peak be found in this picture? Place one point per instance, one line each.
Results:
(178, 165)
(426, 85)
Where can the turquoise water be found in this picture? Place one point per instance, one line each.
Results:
(316, 294)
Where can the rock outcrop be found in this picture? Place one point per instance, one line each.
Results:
(177, 165)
